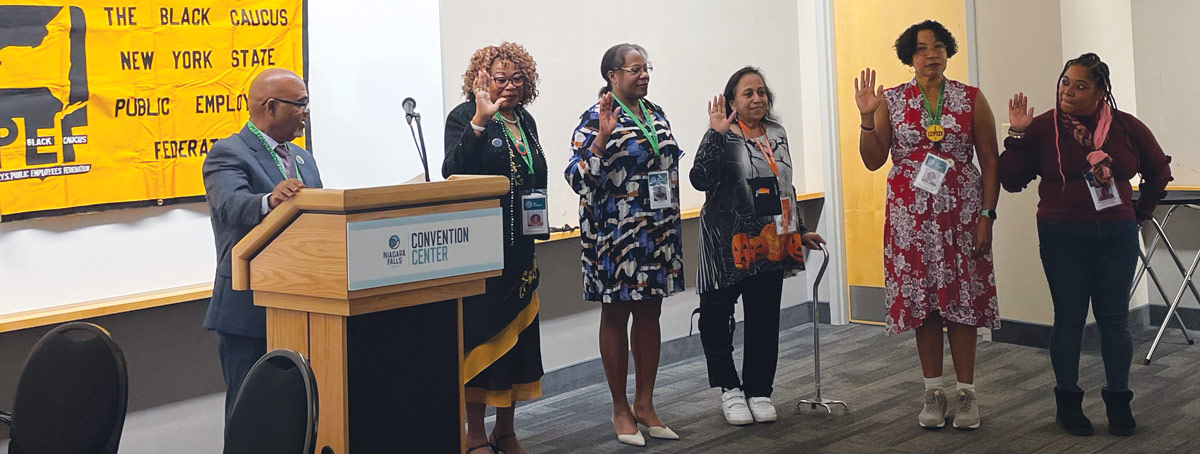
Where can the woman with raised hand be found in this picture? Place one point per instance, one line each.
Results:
(1086, 152)
(937, 232)
(625, 168)
(751, 238)
(492, 134)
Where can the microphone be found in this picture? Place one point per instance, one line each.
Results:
(410, 112)
(410, 109)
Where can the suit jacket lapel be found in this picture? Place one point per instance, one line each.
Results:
(261, 155)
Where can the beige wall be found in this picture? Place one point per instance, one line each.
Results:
(1005, 67)
(1166, 54)
(694, 45)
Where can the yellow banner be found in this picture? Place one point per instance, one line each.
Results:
(112, 102)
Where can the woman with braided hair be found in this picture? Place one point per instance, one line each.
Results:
(1086, 152)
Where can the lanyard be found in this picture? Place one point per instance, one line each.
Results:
(935, 116)
(649, 132)
(764, 148)
(275, 157)
(523, 144)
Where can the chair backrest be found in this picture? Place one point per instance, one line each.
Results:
(276, 408)
(72, 394)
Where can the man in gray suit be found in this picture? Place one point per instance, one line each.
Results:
(246, 175)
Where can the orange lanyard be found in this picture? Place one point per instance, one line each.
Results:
(763, 147)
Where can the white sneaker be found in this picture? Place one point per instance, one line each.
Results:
(762, 409)
(733, 404)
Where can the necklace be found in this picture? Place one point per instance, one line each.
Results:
(506, 120)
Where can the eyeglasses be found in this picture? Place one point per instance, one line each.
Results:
(303, 104)
(517, 80)
(938, 48)
(637, 69)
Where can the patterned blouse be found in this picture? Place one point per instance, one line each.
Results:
(630, 251)
(734, 243)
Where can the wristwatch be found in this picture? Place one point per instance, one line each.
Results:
(1015, 134)
(991, 214)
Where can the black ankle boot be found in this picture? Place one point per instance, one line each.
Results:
(1120, 417)
(1070, 413)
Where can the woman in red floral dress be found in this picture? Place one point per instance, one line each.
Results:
(940, 209)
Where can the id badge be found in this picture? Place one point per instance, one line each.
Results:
(533, 213)
(785, 222)
(932, 173)
(660, 190)
(1103, 197)
(766, 196)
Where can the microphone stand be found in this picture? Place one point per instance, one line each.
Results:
(420, 142)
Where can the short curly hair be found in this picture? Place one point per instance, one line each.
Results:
(906, 43)
(513, 52)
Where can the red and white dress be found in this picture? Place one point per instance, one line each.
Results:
(927, 238)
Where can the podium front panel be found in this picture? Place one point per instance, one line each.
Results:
(423, 247)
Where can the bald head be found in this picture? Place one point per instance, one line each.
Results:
(274, 97)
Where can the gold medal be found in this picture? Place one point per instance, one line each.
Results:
(935, 133)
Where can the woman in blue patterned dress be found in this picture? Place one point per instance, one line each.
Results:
(625, 169)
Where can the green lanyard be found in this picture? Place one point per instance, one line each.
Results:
(647, 130)
(275, 157)
(523, 145)
(935, 116)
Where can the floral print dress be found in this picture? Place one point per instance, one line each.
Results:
(927, 237)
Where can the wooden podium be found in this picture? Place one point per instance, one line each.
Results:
(368, 285)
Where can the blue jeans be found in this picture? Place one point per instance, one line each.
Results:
(1090, 260)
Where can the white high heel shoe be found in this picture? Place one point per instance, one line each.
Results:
(659, 432)
(634, 439)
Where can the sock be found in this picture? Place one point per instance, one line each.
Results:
(968, 386)
(933, 383)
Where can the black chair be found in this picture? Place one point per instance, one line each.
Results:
(72, 394)
(276, 408)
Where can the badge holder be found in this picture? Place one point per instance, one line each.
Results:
(932, 173)
(534, 220)
(660, 190)
(785, 222)
(1103, 197)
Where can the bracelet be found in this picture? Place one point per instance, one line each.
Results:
(866, 129)
(1015, 134)
(478, 128)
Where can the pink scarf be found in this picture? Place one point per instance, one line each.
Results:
(1098, 159)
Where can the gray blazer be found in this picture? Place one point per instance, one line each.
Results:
(238, 172)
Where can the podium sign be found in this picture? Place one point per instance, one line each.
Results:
(418, 248)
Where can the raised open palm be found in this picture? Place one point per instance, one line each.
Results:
(485, 106)
(717, 118)
(866, 96)
(608, 118)
(1020, 115)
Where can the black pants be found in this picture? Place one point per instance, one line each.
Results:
(760, 299)
(1090, 262)
(238, 354)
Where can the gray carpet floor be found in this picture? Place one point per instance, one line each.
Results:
(878, 376)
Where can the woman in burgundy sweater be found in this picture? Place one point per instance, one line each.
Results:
(1086, 152)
